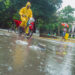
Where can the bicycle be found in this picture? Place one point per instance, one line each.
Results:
(15, 27)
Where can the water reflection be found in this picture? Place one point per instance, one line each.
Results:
(61, 50)
(17, 59)
(20, 55)
(61, 62)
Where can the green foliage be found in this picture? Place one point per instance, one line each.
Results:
(16, 16)
(9, 24)
(42, 9)
(67, 15)
(7, 3)
(40, 23)
(68, 10)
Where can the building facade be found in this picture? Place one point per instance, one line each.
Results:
(72, 30)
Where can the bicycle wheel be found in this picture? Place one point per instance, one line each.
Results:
(30, 34)
(10, 29)
(17, 30)
(13, 28)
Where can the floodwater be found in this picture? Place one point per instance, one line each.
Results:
(35, 57)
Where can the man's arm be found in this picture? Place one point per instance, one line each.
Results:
(21, 11)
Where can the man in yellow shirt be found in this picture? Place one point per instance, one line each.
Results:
(25, 15)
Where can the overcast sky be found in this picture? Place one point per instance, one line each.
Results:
(68, 2)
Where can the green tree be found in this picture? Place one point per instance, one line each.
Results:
(42, 9)
(67, 14)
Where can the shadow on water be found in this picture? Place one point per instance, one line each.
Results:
(35, 58)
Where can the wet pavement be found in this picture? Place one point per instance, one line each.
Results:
(36, 57)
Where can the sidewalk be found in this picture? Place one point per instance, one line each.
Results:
(57, 39)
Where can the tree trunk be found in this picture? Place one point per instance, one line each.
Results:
(59, 30)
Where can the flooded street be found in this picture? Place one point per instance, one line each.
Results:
(36, 57)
